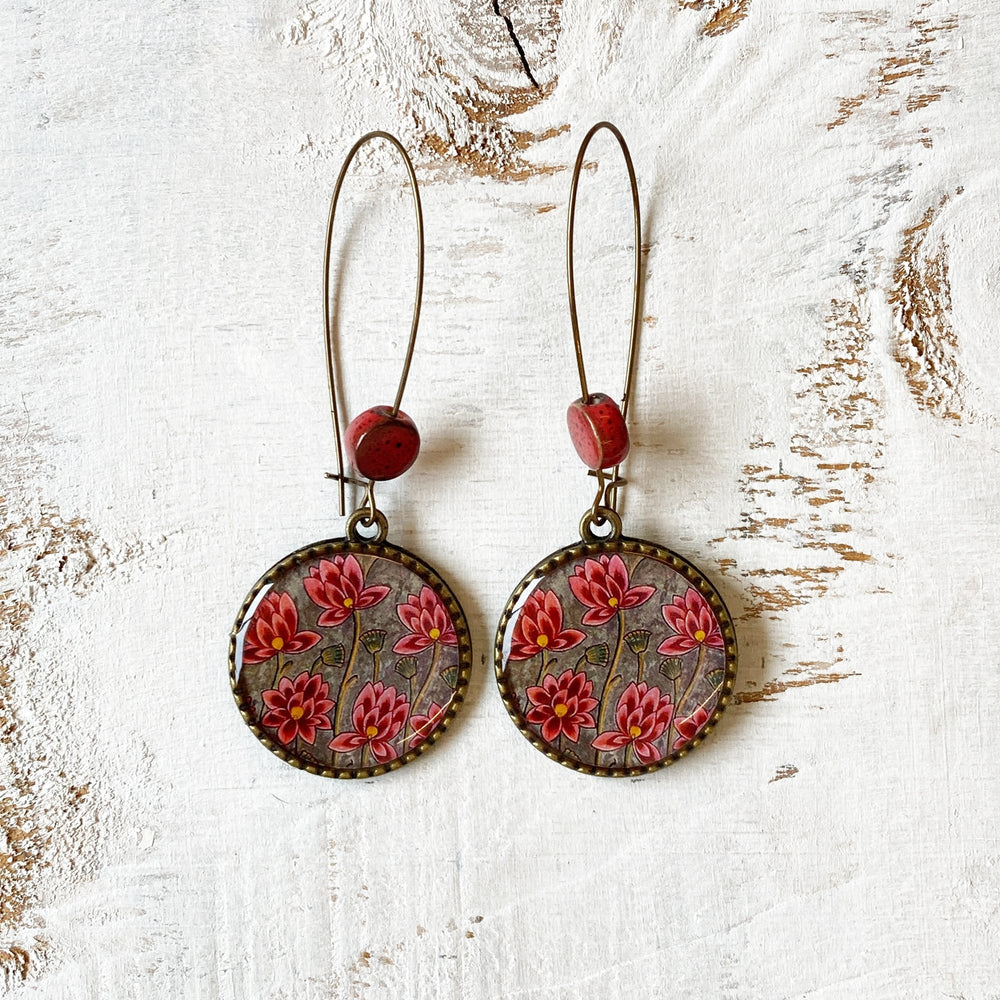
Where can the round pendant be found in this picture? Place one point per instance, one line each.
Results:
(349, 658)
(615, 657)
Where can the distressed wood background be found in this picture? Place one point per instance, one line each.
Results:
(815, 425)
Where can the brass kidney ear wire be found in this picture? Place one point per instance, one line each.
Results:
(369, 511)
(605, 506)
(614, 656)
(350, 657)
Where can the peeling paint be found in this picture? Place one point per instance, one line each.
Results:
(49, 822)
(927, 347)
(805, 674)
(785, 771)
(807, 499)
(725, 14)
(898, 83)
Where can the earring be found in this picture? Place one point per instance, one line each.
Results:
(614, 656)
(350, 657)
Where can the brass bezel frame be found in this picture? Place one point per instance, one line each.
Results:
(384, 550)
(631, 545)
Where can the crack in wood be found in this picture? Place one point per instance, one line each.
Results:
(448, 74)
(516, 42)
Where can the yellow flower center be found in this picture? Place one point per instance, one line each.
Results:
(435, 633)
(560, 710)
(297, 712)
(700, 635)
(634, 731)
(348, 602)
(613, 602)
(371, 731)
(277, 642)
(542, 641)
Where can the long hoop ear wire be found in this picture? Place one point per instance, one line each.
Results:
(607, 491)
(328, 324)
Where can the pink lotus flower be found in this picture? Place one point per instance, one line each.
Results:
(275, 629)
(428, 621)
(378, 715)
(692, 619)
(339, 586)
(562, 705)
(690, 727)
(539, 626)
(642, 715)
(424, 725)
(603, 586)
(298, 708)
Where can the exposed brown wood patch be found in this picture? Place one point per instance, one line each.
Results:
(48, 824)
(724, 14)
(806, 674)
(806, 498)
(785, 771)
(898, 83)
(926, 343)
(458, 75)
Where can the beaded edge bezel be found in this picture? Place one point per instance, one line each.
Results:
(384, 550)
(680, 565)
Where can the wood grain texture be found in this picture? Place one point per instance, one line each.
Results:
(814, 425)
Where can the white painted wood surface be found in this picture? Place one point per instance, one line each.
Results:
(815, 425)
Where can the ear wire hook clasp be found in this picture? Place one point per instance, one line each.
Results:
(608, 486)
(369, 511)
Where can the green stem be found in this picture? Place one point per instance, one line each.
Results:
(376, 666)
(431, 674)
(671, 732)
(348, 677)
(694, 679)
(365, 755)
(602, 710)
(544, 667)
(640, 664)
(630, 753)
(612, 673)
(281, 666)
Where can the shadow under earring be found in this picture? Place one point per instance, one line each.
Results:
(349, 657)
(614, 656)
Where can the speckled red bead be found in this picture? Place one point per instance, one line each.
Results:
(382, 446)
(598, 431)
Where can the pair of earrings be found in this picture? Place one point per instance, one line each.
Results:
(614, 656)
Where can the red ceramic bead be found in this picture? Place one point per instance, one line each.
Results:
(598, 430)
(382, 446)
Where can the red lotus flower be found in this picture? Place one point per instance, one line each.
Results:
(602, 585)
(692, 619)
(424, 725)
(298, 708)
(562, 705)
(690, 727)
(539, 626)
(378, 715)
(643, 713)
(275, 629)
(428, 621)
(339, 586)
